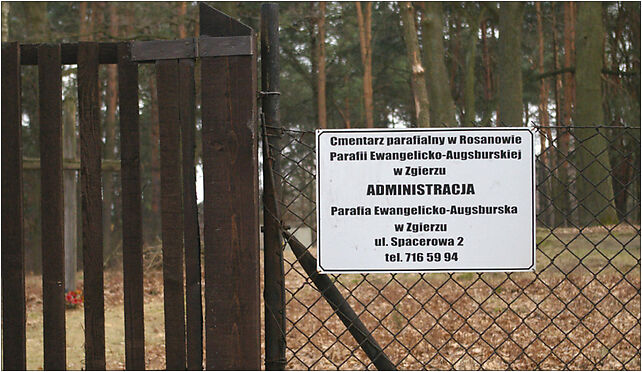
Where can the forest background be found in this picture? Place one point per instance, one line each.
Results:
(372, 64)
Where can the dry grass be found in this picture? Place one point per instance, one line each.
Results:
(565, 317)
(114, 324)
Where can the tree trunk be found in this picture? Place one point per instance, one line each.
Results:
(182, 11)
(84, 34)
(561, 198)
(594, 189)
(470, 114)
(469, 81)
(442, 108)
(345, 112)
(633, 14)
(545, 132)
(97, 20)
(510, 58)
(488, 79)
(36, 14)
(321, 104)
(417, 78)
(569, 34)
(621, 154)
(543, 87)
(314, 58)
(131, 14)
(154, 228)
(109, 149)
(455, 60)
(5, 20)
(365, 38)
(71, 193)
(621, 149)
(82, 21)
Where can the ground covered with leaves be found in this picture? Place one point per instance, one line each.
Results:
(581, 310)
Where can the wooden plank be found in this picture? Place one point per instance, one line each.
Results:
(171, 212)
(150, 51)
(232, 318)
(53, 250)
(191, 232)
(232, 315)
(132, 210)
(215, 23)
(204, 46)
(70, 164)
(90, 183)
(162, 49)
(225, 46)
(13, 254)
(69, 53)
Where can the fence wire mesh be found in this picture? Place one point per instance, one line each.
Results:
(579, 310)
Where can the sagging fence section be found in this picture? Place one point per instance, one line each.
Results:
(229, 117)
(579, 310)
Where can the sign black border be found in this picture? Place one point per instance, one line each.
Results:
(320, 268)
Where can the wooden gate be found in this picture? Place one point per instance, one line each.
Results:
(227, 53)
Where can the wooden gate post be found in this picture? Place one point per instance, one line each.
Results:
(14, 314)
(230, 178)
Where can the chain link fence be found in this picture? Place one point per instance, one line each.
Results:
(579, 310)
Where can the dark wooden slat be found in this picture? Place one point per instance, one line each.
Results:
(13, 254)
(231, 213)
(132, 210)
(53, 250)
(225, 46)
(90, 183)
(162, 49)
(171, 212)
(69, 53)
(190, 220)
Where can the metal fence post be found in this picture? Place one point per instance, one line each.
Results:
(274, 290)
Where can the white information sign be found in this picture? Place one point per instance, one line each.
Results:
(425, 200)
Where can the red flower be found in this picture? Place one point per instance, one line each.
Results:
(74, 298)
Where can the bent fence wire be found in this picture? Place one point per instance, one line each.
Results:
(579, 310)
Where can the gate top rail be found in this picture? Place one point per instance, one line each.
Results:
(150, 51)
(203, 46)
(107, 53)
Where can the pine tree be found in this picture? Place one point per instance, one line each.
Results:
(594, 189)
(417, 72)
(509, 64)
(442, 107)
